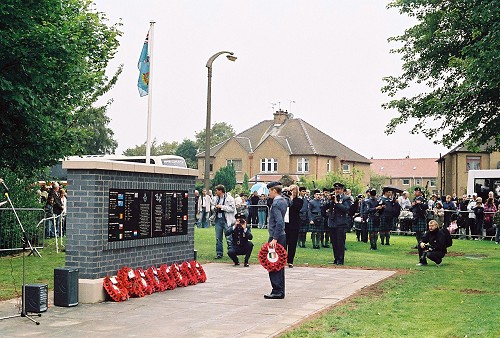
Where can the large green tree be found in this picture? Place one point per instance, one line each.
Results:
(220, 131)
(225, 176)
(53, 57)
(187, 149)
(165, 148)
(454, 51)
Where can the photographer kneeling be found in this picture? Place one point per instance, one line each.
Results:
(241, 236)
(432, 245)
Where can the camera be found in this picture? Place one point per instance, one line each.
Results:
(286, 193)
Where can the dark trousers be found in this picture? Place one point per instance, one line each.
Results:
(364, 232)
(292, 237)
(337, 237)
(435, 256)
(277, 278)
(244, 249)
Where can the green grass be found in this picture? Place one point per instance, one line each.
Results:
(458, 299)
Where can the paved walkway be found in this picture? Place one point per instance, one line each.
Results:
(229, 304)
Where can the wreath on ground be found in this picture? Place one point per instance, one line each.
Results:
(186, 270)
(200, 273)
(272, 259)
(148, 287)
(134, 285)
(113, 289)
(153, 279)
(175, 273)
(165, 276)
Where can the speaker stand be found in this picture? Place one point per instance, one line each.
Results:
(23, 298)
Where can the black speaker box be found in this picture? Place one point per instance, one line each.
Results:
(36, 298)
(65, 287)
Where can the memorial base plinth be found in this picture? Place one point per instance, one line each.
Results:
(91, 291)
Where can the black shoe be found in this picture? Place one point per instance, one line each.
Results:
(246, 265)
(218, 257)
(290, 265)
(274, 296)
(236, 263)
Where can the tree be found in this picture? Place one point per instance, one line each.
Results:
(225, 176)
(377, 181)
(187, 149)
(53, 59)
(454, 50)
(286, 180)
(245, 185)
(165, 148)
(220, 132)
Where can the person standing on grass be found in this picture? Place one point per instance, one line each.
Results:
(224, 210)
(293, 225)
(338, 222)
(418, 208)
(304, 212)
(373, 210)
(277, 236)
(432, 245)
(315, 219)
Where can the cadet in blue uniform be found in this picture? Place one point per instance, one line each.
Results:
(325, 235)
(240, 235)
(419, 208)
(277, 235)
(315, 219)
(373, 208)
(364, 216)
(338, 222)
(304, 217)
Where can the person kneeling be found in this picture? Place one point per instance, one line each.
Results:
(241, 236)
(432, 245)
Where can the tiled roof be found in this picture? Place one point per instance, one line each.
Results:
(405, 167)
(297, 137)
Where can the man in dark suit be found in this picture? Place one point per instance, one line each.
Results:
(277, 236)
(240, 235)
(338, 222)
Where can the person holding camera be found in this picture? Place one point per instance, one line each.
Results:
(432, 245)
(224, 209)
(240, 235)
(338, 222)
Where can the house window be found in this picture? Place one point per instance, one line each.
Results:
(269, 165)
(346, 168)
(328, 166)
(211, 166)
(303, 165)
(433, 182)
(406, 181)
(473, 163)
(418, 181)
(236, 164)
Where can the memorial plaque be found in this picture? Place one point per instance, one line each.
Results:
(135, 214)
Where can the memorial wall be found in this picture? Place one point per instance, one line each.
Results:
(127, 214)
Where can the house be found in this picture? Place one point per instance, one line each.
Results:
(284, 146)
(455, 165)
(408, 172)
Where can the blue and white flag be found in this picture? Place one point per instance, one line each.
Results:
(143, 65)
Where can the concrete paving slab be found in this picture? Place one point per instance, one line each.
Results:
(229, 304)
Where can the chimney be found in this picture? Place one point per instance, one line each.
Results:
(280, 117)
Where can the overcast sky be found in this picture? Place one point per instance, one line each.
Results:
(328, 56)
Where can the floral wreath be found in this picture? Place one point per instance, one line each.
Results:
(134, 285)
(272, 259)
(148, 287)
(153, 279)
(113, 289)
(199, 271)
(165, 276)
(186, 270)
(175, 273)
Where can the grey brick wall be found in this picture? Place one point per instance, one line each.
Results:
(87, 247)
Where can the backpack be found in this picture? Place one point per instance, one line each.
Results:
(447, 237)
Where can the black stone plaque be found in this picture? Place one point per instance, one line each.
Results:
(135, 214)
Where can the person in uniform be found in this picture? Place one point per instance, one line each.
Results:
(373, 209)
(363, 210)
(358, 221)
(325, 235)
(293, 225)
(338, 222)
(304, 217)
(240, 235)
(277, 235)
(315, 219)
(418, 208)
(391, 209)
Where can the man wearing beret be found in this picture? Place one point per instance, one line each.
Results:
(277, 236)
(419, 210)
(391, 209)
(373, 209)
(304, 218)
(316, 218)
(338, 222)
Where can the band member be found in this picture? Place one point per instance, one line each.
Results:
(419, 208)
(304, 217)
(293, 225)
(315, 219)
(364, 217)
(391, 209)
(325, 235)
(277, 235)
(338, 222)
(373, 209)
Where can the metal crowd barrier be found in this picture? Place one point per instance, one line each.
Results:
(10, 231)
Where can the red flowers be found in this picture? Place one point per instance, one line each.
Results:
(272, 260)
(138, 283)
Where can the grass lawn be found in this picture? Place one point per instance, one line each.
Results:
(458, 299)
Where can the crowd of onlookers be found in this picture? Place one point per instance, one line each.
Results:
(54, 201)
(468, 217)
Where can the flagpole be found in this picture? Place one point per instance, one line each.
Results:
(150, 91)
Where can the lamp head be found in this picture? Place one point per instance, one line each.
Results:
(231, 57)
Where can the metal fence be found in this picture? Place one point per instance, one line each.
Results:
(11, 238)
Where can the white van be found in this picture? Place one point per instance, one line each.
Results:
(483, 181)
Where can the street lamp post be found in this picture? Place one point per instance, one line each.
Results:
(230, 56)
